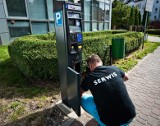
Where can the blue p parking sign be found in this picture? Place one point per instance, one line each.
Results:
(58, 18)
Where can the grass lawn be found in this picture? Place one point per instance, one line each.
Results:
(20, 98)
(25, 103)
(130, 61)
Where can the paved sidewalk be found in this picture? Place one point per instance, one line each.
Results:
(144, 88)
(154, 39)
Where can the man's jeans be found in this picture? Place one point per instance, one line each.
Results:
(87, 102)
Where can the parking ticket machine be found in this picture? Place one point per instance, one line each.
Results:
(69, 43)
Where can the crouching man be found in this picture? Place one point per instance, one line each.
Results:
(109, 104)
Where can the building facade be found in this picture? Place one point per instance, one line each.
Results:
(154, 15)
(25, 17)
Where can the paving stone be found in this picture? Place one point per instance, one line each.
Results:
(156, 106)
(139, 124)
(143, 116)
(146, 111)
(149, 99)
(132, 124)
(153, 122)
(142, 121)
(157, 101)
(139, 103)
(156, 111)
(155, 116)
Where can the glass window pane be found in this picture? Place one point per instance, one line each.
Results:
(95, 10)
(50, 9)
(18, 28)
(101, 11)
(101, 0)
(87, 10)
(87, 26)
(39, 28)
(94, 26)
(106, 26)
(16, 8)
(37, 9)
(100, 26)
(52, 28)
(107, 1)
(106, 12)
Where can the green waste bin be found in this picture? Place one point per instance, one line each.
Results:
(118, 48)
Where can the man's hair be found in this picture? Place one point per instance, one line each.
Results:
(93, 59)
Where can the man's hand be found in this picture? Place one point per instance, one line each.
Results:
(125, 78)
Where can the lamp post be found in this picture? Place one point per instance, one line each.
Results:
(149, 6)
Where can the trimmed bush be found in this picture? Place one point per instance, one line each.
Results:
(35, 56)
(100, 45)
(108, 32)
(153, 31)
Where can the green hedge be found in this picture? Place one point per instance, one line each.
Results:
(108, 32)
(153, 31)
(100, 45)
(36, 55)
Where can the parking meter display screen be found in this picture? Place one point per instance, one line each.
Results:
(73, 15)
(74, 25)
(74, 29)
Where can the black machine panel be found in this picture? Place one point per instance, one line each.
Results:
(73, 89)
(69, 43)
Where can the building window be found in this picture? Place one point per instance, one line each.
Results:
(18, 28)
(87, 26)
(87, 10)
(39, 28)
(106, 12)
(94, 26)
(50, 9)
(155, 17)
(106, 26)
(37, 9)
(139, 6)
(51, 26)
(156, 10)
(101, 12)
(101, 26)
(16, 8)
(95, 10)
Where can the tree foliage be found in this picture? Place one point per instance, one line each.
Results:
(124, 15)
(120, 14)
(131, 17)
(139, 16)
(136, 16)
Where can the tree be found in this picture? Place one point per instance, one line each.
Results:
(120, 15)
(114, 3)
(136, 16)
(139, 16)
(131, 17)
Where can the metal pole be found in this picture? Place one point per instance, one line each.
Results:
(145, 28)
(110, 51)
